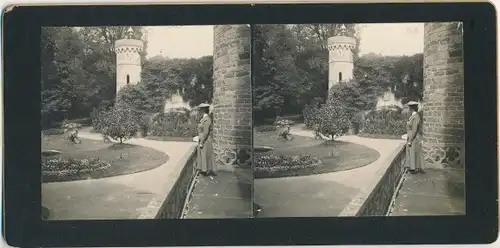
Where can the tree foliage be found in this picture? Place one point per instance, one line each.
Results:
(333, 120)
(78, 68)
(119, 123)
(292, 69)
(78, 74)
(191, 78)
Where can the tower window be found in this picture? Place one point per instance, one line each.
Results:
(128, 79)
(340, 76)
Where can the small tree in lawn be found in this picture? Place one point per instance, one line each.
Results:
(119, 123)
(332, 120)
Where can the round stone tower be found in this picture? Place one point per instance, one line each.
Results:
(443, 127)
(232, 97)
(232, 109)
(340, 57)
(128, 60)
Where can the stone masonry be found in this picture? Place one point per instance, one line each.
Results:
(443, 95)
(232, 99)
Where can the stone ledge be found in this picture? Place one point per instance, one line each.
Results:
(170, 203)
(375, 198)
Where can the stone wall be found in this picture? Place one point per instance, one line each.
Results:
(443, 95)
(376, 198)
(232, 100)
(173, 205)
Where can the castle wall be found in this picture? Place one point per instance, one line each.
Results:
(443, 95)
(232, 99)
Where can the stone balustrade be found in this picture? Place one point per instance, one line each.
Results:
(376, 198)
(172, 204)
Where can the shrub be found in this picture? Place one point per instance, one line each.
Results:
(71, 131)
(332, 120)
(119, 123)
(175, 124)
(310, 112)
(280, 122)
(97, 116)
(385, 122)
(265, 128)
(145, 123)
(283, 126)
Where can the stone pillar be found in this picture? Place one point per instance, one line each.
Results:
(128, 62)
(443, 95)
(232, 99)
(340, 59)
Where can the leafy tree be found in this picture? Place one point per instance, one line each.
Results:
(292, 66)
(197, 84)
(402, 75)
(332, 120)
(78, 68)
(350, 96)
(191, 78)
(267, 91)
(134, 97)
(119, 123)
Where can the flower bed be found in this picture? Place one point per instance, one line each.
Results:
(271, 166)
(62, 167)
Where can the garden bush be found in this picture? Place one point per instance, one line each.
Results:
(332, 120)
(310, 113)
(97, 116)
(283, 127)
(265, 128)
(175, 124)
(119, 123)
(385, 122)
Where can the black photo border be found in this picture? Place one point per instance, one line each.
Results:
(22, 223)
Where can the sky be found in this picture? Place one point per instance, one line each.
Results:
(391, 39)
(180, 41)
(387, 39)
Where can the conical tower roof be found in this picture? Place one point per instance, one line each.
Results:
(343, 30)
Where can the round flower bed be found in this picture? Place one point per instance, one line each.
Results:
(272, 166)
(64, 168)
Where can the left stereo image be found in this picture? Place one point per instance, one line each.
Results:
(146, 122)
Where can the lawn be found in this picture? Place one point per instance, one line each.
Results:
(380, 136)
(124, 158)
(334, 155)
(170, 138)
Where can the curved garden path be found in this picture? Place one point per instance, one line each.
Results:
(121, 197)
(320, 195)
